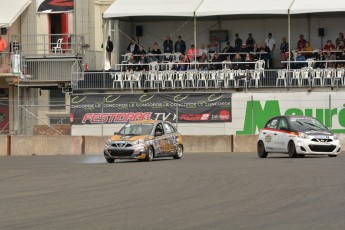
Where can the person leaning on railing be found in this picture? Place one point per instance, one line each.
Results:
(341, 57)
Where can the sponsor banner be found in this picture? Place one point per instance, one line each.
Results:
(112, 109)
(54, 6)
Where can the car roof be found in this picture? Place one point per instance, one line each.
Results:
(293, 116)
(143, 122)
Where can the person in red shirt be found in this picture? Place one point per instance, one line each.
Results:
(329, 46)
(191, 53)
(3, 46)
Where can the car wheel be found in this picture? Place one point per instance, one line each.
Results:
(292, 150)
(261, 150)
(332, 155)
(179, 152)
(149, 155)
(110, 160)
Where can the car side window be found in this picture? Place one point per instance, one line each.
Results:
(272, 124)
(159, 128)
(282, 123)
(167, 128)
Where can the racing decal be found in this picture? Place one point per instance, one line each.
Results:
(54, 6)
(268, 138)
(112, 109)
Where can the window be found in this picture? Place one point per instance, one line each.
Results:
(159, 128)
(282, 123)
(57, 99)
(169, 128)
(272, 124)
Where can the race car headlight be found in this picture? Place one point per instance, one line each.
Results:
(335, 137)
(302, 135)
(108, 142)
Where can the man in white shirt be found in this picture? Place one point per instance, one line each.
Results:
(271, 43)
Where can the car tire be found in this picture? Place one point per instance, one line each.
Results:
(150, 154)
(292, 150)
(331, 155)
(110, 160)
(179, 152)
(262, 153)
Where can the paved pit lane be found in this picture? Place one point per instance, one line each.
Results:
(200, 191)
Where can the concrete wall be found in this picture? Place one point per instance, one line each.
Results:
(68, 145)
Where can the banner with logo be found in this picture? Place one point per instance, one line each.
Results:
(54, 6)
(112, 109)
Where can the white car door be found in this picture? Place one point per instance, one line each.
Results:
(269, 135)
(282, 135)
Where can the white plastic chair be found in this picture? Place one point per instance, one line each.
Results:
(58, 46)
(296, 76)
(180, 75)
(317, 78)
(281, 77)
(231, 78)
(328, 76)
(190, 78)
(202, 78)
(117, 79)
(339, 77)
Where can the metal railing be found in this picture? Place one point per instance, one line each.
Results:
(47, 45)
(165, 77)
(4, 62)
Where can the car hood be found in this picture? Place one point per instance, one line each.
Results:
(127, 137)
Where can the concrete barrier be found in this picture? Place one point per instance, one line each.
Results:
(46, 145)
(245, 143)
(199, 144)
(3, 145)
(77, 145)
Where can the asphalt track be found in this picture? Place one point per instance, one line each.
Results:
(200, 191)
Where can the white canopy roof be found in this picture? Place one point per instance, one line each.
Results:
(11, 10)
(237, 7)
(317, 6)
(130, 8)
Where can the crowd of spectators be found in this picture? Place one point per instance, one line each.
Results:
(242, 55)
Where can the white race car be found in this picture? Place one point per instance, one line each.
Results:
(297, 136)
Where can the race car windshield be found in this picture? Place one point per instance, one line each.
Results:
(136, 129)
(304, 125)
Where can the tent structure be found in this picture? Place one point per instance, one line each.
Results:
(205, 8)
(10, 11)
(133, 8)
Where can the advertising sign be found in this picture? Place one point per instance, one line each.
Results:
(54, 6)
(112, 109)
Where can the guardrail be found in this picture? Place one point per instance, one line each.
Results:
(47, 45)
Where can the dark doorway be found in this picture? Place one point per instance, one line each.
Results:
(58, 29)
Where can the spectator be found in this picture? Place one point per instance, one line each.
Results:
(143, 63)
(271, 43)
(265, 54)
(3, 46)
(330, 57)
(284, 50)
(109, 48)
(141, 50)
(192, 53)
(308, 50)
(168, 45)
(250, 41)
(342, 59)
(132, 64)
(202, 50)
(320, 58)
(300, 61)
(255, 50)
(339, 39)
(227, 64)
(180, 45)
(301, 42)
(329, 46)
(216, 62)
(237, 58)
(243, 51)
(213, 45)
(341, 47)
(156, 51)
(227, 49)
(203, 62)
(182, 65)
(247, 59)
(238, 42)
(133, 47)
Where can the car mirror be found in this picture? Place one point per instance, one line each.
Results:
(283, 128)
(158, 133)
